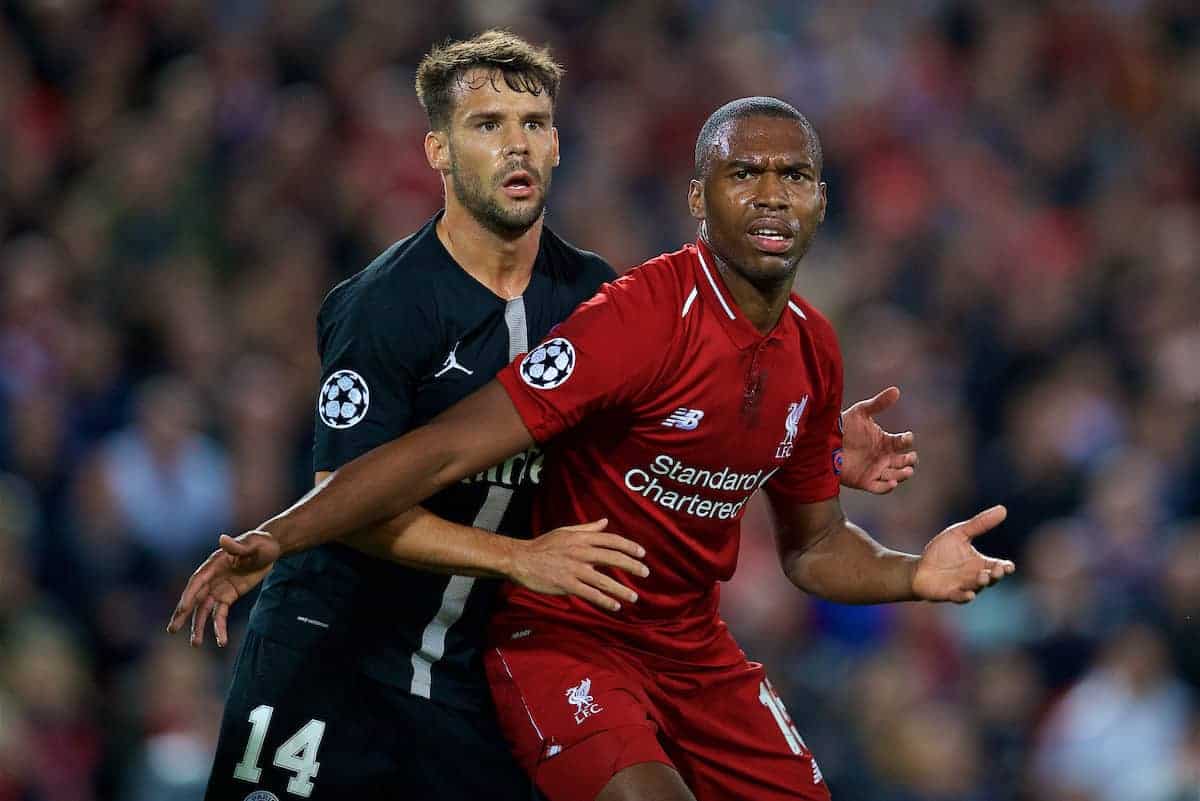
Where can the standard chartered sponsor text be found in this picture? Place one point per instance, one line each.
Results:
(646, 482)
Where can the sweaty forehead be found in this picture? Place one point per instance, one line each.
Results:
(479, 89)
(756, 138)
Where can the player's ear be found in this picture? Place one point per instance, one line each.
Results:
(437, 150)
(696, 199)
(554, 138)
(824, 200)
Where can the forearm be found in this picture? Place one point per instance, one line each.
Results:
(420, 539)
(377, 486)
(847, 566)
(391, 479)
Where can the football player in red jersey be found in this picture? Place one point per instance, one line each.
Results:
(741, 392)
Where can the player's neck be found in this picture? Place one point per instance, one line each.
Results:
(504, 265)
(761, 304)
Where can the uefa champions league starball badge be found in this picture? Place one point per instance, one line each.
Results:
(343, 400)
(549, 365)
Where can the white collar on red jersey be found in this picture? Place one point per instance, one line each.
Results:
(713, 283)
(721, 296)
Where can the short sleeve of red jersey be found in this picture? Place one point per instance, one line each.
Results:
(608, 352)
(813, 472)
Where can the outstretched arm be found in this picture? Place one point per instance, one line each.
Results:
(481, 430)
(563, 561)
(372, 496)
(823, 553)
(560, 562)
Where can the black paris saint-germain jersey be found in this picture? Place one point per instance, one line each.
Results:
(401, 341)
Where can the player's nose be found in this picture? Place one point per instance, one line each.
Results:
(516, 143)
(770, 192)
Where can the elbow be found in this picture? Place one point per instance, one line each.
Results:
(796, 569)
(806, 560)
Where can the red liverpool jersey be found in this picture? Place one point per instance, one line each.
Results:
(668, 410)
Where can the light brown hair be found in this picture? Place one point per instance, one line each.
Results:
(504, 55)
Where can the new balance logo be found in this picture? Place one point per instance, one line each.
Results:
(581, 696)
(684, 418)
(451, 363)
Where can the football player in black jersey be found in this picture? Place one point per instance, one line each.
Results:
(403, 606)
(429, 321)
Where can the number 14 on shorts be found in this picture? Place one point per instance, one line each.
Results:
(298, 753)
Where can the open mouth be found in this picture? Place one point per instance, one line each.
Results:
(518, 185)
(771, 236)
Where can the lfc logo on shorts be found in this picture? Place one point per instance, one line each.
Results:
(791, 425)
(581, 696)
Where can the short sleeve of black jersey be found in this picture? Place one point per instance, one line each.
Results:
(369, 367)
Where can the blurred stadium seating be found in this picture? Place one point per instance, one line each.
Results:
(1013, 238)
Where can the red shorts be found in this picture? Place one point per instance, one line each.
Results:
(577, 710)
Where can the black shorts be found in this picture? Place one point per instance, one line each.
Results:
(299, 724)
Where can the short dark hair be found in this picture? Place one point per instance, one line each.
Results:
(523, 67)
(741, 109)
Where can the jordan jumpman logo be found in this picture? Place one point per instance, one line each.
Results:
(451, 363)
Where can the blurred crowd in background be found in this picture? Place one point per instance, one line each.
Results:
(1013, 238)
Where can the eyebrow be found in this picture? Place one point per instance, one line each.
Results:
(495, 114)
(743, 164)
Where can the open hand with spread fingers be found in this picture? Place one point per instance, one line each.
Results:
(566, 561)
(872, 459)
(951, 569)
(229, 572)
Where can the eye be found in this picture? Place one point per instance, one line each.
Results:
(797, 175)
(534, 125)
(489, 126)
(742, 174)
